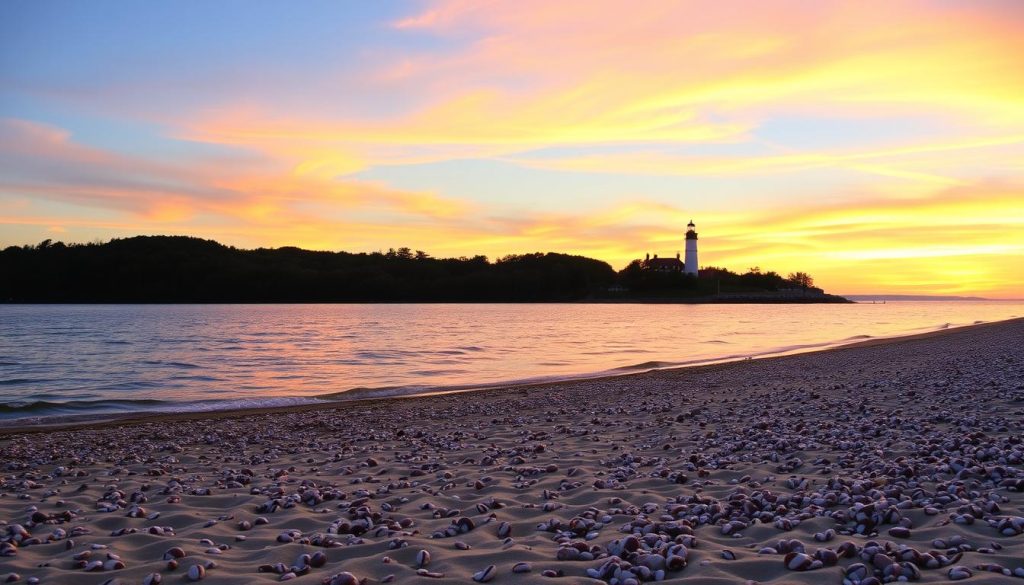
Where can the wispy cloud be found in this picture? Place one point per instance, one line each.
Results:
(43, 161)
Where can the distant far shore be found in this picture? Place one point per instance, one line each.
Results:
(625, 301)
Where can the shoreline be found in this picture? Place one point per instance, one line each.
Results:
(88, 421)
(885, 459)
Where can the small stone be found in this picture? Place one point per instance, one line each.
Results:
(959, 573)
(899, 532)
(343, 578)
(522, 568)
(422, 558)
(485, 575)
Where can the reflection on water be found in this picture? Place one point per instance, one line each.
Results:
(87, 358)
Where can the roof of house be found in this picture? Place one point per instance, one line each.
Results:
(664, 263)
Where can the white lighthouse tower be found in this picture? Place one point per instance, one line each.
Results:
(690, 265)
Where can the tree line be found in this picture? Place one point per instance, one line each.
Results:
(187, 269)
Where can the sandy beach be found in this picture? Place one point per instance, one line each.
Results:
(889, 460)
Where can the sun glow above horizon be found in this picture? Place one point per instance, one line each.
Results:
(878, 147)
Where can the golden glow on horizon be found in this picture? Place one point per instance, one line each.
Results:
(608, 93)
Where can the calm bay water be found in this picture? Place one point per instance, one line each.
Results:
(84, 359)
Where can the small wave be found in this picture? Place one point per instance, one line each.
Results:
(244, 403)
(856, 337)
(629, 350)
(378, 392)
(184, 365)
(36, 406)
(16, 381)
(365, 393)
(785, 349)
(10, 364)
(716, 341)
(42, 410)
(129, 385)
(645, 366)
(196, 378)
(437, 372)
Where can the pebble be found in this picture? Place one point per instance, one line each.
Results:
(899, 532)
(343, 578)
(174, 553)
(959, 573)
(485, 575)
(504, 530)
(422, 558)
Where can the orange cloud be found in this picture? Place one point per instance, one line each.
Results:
(44, 162)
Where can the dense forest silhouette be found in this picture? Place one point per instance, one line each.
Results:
(186, 269)
(180, 269)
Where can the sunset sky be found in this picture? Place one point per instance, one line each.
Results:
(878, 146)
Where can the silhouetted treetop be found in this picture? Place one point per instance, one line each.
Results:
(801, 279)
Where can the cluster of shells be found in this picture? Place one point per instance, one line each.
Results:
(624, 481)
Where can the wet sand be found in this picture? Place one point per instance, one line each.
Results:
(898, 459)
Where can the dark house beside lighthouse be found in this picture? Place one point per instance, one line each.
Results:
(663, 264)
